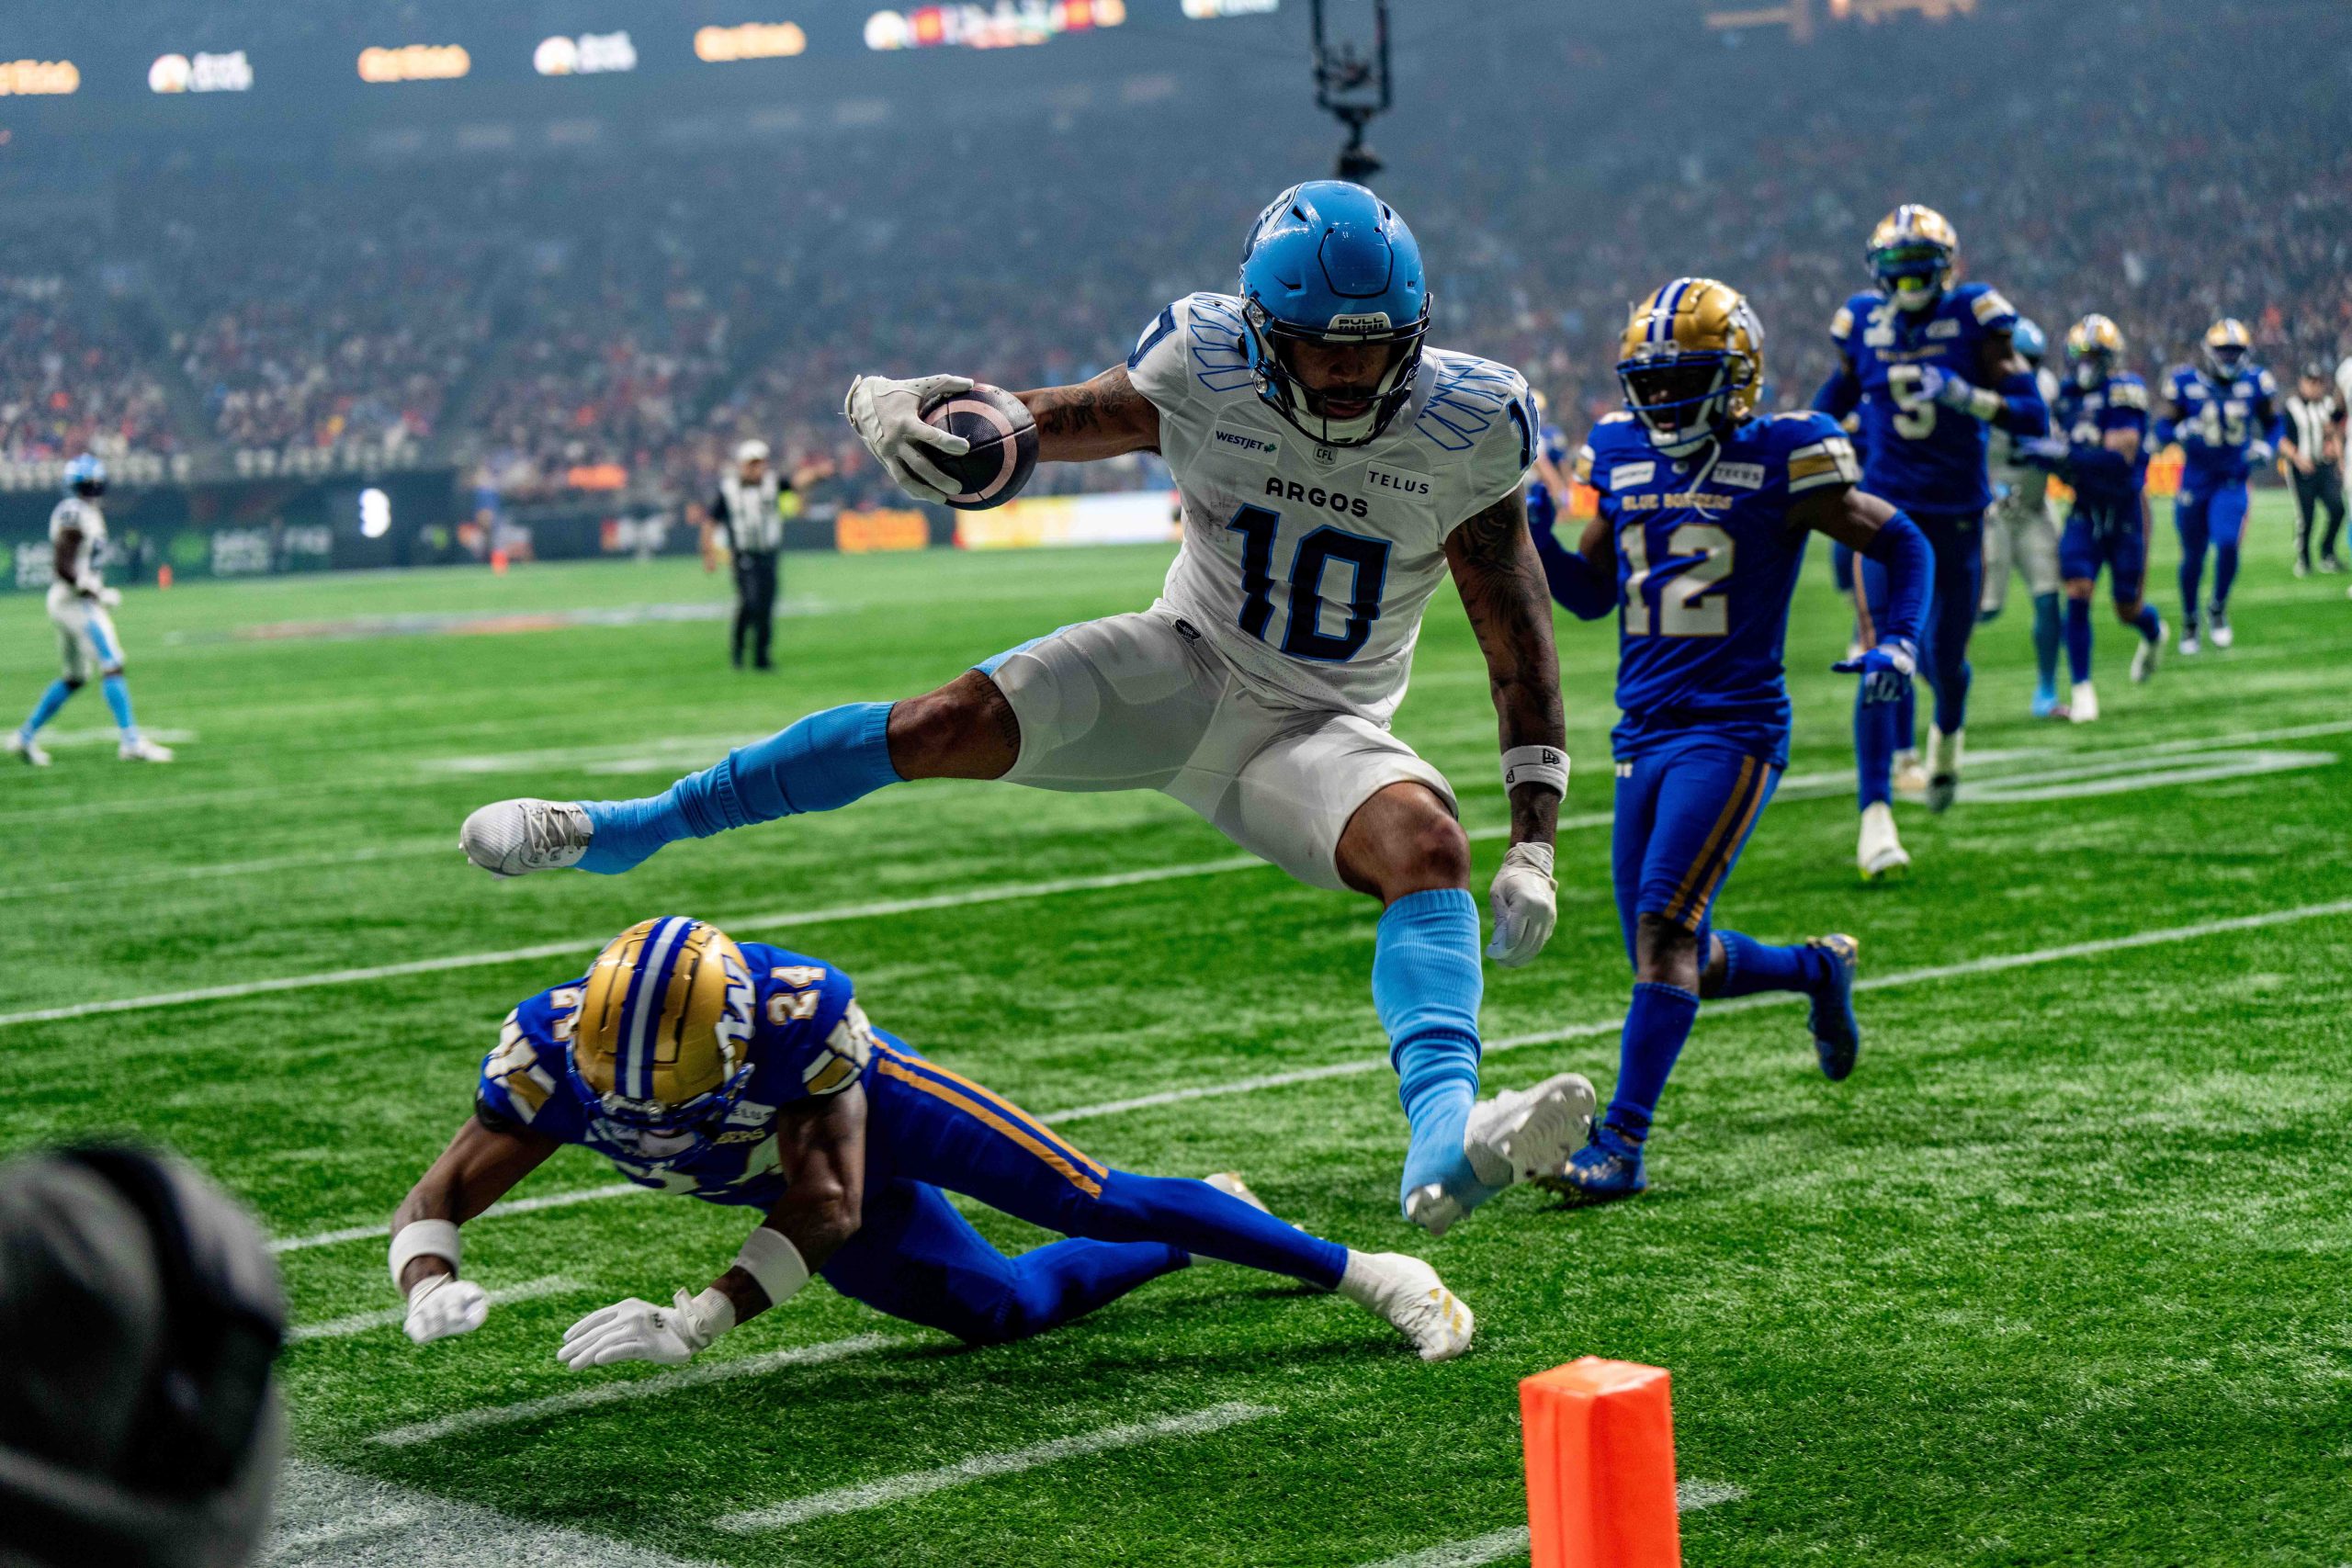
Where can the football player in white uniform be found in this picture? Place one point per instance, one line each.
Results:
(1331, 471)
(78, 601)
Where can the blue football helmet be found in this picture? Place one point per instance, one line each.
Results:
(1328, 264)
(2029, 340)
(86, 476)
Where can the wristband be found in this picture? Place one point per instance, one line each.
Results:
(423, 1239)
(707, 1316)
(1543, 765)
(773, 1264)
(1984, 403)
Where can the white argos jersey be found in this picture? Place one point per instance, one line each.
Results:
(77, 516)
(1309, 566)
(2021, 489)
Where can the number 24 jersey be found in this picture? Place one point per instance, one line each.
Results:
(1706, 566)
(1307, 566)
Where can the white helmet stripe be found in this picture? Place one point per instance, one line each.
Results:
(641, 1014)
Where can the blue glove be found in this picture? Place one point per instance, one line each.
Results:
(1885, 669)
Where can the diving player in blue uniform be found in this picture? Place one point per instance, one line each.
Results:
(2102, 413)
(745, 1074)
(2227, 418)
(1930, 367)
(1705, 509)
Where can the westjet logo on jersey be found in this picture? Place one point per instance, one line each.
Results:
(1403, 484)
(1625, 474)
(1315, 495)
(1247, 443)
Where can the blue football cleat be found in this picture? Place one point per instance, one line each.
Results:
(2046, 704)
(1837, 1033)
(1608, 1167)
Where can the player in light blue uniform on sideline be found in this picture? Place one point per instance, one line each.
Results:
(1704, 511)
(2102, 413)
(749, 1076)
(2227, 418)
(1930, 368)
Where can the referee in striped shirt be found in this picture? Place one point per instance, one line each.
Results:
(752, 508)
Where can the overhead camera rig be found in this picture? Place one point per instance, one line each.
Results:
(1351, 85)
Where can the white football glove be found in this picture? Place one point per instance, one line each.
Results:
(110, 598)
(640, 1331)
(1525, 904)
(442, 1305)
(888, 416)
(2258, 452)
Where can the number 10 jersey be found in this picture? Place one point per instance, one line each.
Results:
(1307, 566)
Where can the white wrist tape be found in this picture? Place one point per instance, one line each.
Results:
(1543, 765)
(1984, 404)
(769, 1258)
(423, 1239)
(707, 1317)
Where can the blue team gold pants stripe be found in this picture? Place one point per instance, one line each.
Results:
(1003, 1106)
(986, 1109)
(1689, 904)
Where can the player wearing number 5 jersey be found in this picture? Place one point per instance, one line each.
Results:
(1332, 471)
(1703, 514)
(1930, 368)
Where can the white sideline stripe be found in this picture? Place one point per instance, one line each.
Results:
(361, 1321)
(333, 1518)
(640, 1388)
(981, 1467)
(1689, 1496)
(1796, 787)
(775, 920)
(381, 1230)
(1990, 964)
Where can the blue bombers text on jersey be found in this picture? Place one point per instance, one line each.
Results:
(809, 1039)
(2082, 417)
(2218, 421)
(1925, 457)
(1706, 565)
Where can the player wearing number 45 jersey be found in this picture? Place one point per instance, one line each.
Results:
(1332, 471)
(749, 1075)
(1704, 512)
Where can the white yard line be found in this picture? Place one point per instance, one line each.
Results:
(362, 1322)
(639, 1388)
(1689, 1496)
(381, 1230)
(982, 1467)
(333, 1518)
(410, 849)
(1375, 1062)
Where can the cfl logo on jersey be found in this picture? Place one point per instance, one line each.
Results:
(1740, 476)
(1315, 495)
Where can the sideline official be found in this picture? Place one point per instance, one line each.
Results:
(2311, 457)
(752, 508)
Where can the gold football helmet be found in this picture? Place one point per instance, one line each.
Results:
(2094, 347)
(2227, 344)
(1911, 253)
(662, 1041)
(1692, 363)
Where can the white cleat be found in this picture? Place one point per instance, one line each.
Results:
(2223, 635)
(1516, 1137)
(1229, 1182)
(1407, 1292)
(2190, 648)
(1910, 775)
(25, 750)
(514, 838)
(1879, 852)
(143, 750)
(2143, 662)
(2083, 706)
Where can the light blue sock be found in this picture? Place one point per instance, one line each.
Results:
(1426, 984)
(46, 709)
(118, 699)
(819, 763)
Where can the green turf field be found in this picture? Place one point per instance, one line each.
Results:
(2058, 1276)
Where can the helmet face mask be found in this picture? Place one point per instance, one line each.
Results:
(86, 476)
(2227, 347)
(2093, 348)
(1330, 272)
(1913, 276)
(659, 1048)
(1692, 364)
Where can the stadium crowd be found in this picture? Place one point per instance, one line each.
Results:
(574, 323)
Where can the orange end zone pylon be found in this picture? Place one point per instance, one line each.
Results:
(1600, 1466)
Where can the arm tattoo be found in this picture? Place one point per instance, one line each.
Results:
(1101, 418)
(1069, 411)
(1502, 588)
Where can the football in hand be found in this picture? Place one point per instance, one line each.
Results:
(1004, 445)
